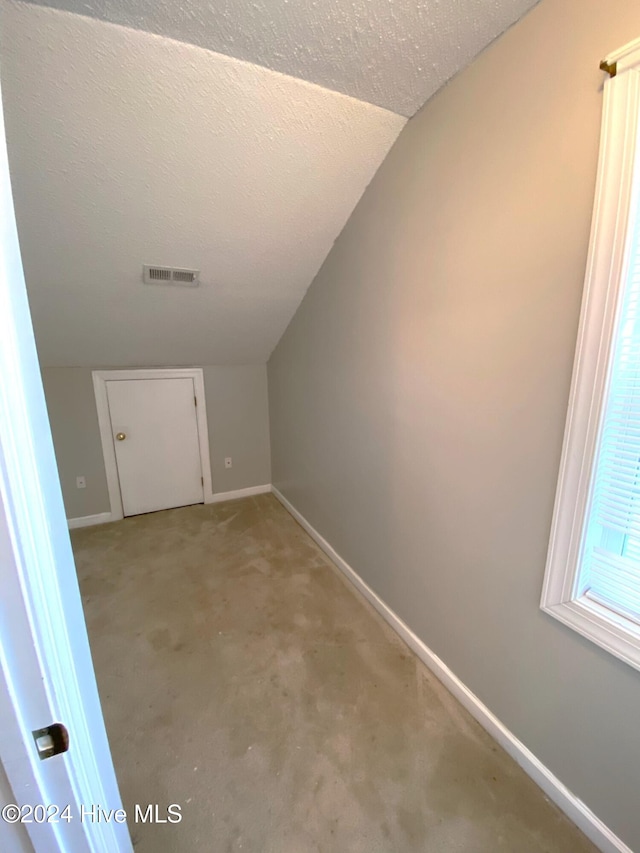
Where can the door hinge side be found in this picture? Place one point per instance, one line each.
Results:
(202, 480)
(195, 402)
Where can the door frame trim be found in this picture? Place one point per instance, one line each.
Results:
(100, 379)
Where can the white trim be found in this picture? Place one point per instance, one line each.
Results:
(572, 806)
(218, 497)
(239, 493)
(89, 520)
(100, 379)
(626, 57)
(607, 262)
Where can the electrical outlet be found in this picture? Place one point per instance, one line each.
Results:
(228, 462)
(81, 483)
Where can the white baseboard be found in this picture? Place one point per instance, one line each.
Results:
(572, 806)
(89, 520)
(238, 493)
(104, 517)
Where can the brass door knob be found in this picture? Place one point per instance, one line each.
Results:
(120, 436)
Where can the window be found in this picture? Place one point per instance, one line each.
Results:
(592, 579)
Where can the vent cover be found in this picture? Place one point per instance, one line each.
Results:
(171, 275)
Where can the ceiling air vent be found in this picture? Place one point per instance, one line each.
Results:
(171, 275)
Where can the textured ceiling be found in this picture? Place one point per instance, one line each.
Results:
(393, 53)
(131, 144)
(127, 148)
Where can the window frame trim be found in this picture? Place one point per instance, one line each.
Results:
(607, 260)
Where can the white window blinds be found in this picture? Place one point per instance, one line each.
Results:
(592, 577)
(610, 570)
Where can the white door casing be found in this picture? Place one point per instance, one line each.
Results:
(158, 456)
(164, 459)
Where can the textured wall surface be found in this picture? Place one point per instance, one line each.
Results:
(394, 54)
(127, 148)
(237, 417)
(419, 396)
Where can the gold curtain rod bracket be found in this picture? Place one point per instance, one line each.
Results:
(610, 67)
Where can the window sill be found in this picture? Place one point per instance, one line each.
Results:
(609, 630)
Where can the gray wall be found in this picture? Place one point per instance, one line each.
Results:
(419, 395)
(238, 419)
(71, 404)
(237, 416)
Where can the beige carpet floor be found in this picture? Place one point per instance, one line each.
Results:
(244, 680)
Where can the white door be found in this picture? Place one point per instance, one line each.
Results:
(155, 435)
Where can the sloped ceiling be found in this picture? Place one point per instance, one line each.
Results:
(392, 53)
(129, 148)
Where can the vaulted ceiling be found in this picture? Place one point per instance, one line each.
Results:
(233, 139)
(392, 53)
